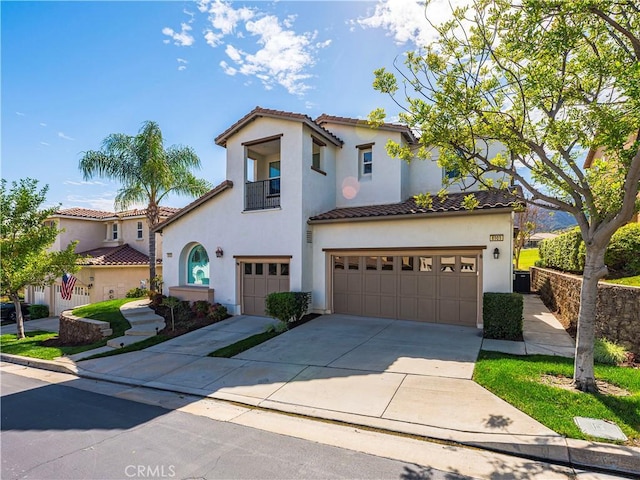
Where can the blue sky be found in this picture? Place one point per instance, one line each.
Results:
(74, 72)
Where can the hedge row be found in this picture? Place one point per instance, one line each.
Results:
(566, 252)
(502, 315)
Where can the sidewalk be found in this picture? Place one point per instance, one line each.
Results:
(396, 376)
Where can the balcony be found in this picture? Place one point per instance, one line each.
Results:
(262, 195)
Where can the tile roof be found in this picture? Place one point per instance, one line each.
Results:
(227, 184)
(84, 213)
(396, 127)
(453, 202)
(102, 215)
(120, 255)
(265, 112)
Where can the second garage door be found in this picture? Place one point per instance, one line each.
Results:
(439, 288)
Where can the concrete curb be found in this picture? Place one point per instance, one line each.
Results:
(60, 366)
(579, 454)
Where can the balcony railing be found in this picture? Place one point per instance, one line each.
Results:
(262, 195)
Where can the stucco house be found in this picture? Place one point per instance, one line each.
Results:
(319, 206)
(115, 247)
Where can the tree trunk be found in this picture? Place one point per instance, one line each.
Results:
(19, 319)
(152, 221)
(594, 270)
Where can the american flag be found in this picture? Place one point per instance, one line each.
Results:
(68, 282)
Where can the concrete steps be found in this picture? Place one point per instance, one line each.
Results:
(144, 324)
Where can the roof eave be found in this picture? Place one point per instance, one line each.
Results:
(409, 216)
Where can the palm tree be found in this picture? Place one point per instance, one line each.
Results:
(147, 172)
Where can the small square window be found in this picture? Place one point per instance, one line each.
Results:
(387, 263)
(273, 269)
(354, 263)
(248, 268)
(426, 264)
(371, 263)
(338, 263)
(259, 268)
(284, 269)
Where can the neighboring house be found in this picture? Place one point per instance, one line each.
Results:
(318, 205)
(115, 247)
(536, 238)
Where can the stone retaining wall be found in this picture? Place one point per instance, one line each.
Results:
(618, 308)
(82, 331)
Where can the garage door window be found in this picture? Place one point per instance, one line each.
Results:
(386, 263)
(338, 263)
(407, 264)
(447, 264)
(354, 263)
(371, 263)
(426, 264)
(468, 264)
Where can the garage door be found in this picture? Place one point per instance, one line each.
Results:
(429, 288)
(258, 281)
(79, 296)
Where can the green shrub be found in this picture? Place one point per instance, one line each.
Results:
(217, 312)
(287, 306)
(137, 293)
(565, 252)
(623, 253)
(38, 311)
(200, 308)
(608, 352)
(502, 315)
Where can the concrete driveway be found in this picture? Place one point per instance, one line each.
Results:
(410, 376)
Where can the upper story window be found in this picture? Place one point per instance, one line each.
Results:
(274, 178)
(140, 231)
(365, 153)
(114, 231)
(317, 154)
(198, 266)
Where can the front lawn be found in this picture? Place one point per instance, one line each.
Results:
(528, 257)
(528, 384)
(628, 281)
(46, 345)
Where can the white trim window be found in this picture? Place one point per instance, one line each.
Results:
(365, 159)
(140, 231)
(274, 178)
(114, 231)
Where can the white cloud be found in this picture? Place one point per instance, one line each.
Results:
(182, 38)
(181, 68)
(103, 201)
(181, 60)
(20, 114)
(407, 21)
(182, 64)
(83, 182)
(283, 56)
(278, 55)
(223, 17)
(65, 137)
(45, 144)
(43, 124)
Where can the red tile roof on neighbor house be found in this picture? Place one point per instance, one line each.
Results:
(120, 255)
(452, 203)
(102, 215)
(265, 112)
(394, 127)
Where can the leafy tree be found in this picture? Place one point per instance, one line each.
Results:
(148, 173)
(25, 240)
(548, 81)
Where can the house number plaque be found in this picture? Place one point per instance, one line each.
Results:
(498, 237)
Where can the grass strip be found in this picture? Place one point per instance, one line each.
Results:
(244, 344)
(134, 347)
(31, 346)
(517, 380)
(628, 281)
